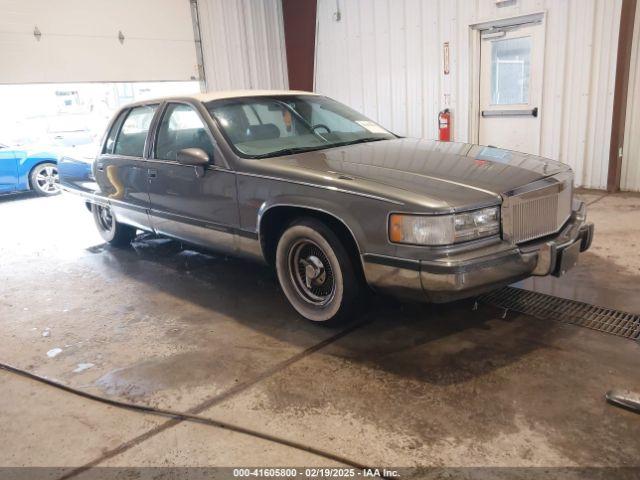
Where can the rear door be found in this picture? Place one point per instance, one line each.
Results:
(195, 205)
(121, 171)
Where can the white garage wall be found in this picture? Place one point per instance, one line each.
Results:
(384, 58)
(630, 179)
(79, 41)
(243, 44)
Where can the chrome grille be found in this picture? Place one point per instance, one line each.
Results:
(538, 210)
(535, 218)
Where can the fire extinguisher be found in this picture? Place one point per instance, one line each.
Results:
(444, 125)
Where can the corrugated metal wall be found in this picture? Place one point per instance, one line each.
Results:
(631, 151)
(243, 44)
(384, 58)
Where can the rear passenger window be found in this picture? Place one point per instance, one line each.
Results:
(113, 133)
(181, 128)
(130, 141)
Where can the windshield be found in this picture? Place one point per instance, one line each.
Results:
(270, 126)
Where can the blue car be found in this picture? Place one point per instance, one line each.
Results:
(23, 169)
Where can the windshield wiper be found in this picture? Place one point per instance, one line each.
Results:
(360, 140)
(292, 150)
(289, 151)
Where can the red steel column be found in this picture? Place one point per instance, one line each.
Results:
(625, 42)
(300, 38)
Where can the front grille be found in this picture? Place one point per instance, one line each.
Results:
(535, 218)
(540, 209)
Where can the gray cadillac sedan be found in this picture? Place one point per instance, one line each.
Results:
(331, 199)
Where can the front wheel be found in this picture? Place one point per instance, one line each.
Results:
(316, 272)
(117, 234)
(44, 179)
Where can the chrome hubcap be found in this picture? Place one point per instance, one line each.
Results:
(48, 179)
(311, 272)
(105, 218)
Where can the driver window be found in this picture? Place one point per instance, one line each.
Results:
(181, 128)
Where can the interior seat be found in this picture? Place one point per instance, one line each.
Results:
(266, 131)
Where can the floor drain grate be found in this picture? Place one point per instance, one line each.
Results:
(541, 305)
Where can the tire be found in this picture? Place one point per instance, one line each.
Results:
(116, 233)
(44, 179)
(316, 273)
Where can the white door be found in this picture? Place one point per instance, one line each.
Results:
(511, 63)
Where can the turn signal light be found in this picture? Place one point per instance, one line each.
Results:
(395, 228)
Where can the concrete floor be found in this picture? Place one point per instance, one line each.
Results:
(413, 386)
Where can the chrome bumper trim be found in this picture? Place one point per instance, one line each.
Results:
(464, 275)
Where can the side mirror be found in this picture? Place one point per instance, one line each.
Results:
(195, 157)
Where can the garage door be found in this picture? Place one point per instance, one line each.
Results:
(96, 41)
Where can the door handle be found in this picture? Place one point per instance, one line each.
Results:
(101, 167)
(152, 173)
(511, 113)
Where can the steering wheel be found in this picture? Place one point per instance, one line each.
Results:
(320, 125)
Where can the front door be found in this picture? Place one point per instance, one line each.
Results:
(511, 62)
(190, 203)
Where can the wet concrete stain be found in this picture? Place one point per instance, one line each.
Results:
(149, 377)
(466, 384)
(144, 379)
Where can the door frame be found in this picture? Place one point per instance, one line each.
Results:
(475, 29)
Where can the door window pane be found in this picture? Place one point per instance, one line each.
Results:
(113, 133)
(510, 71)
(134, 130)
(181, 128)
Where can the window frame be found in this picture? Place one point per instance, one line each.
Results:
(114, 126)
(156, 130)
(125, 114)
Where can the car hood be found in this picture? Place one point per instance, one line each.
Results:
(431, 173)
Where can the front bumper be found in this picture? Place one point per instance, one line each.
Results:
(472, 272)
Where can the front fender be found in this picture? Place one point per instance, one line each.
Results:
(326, 206)
(363, 215)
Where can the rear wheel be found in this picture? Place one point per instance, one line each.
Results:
(44, 179)
(316, 273)
(117, 234)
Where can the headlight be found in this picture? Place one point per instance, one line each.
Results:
(444, 229)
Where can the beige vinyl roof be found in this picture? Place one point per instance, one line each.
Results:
(209, 96)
